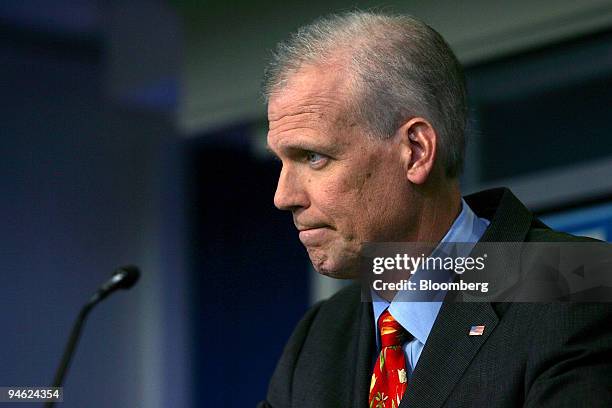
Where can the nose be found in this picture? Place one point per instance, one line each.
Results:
(290, 194)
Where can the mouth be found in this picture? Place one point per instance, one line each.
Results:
(313, 235)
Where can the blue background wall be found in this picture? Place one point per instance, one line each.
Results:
(250, 271)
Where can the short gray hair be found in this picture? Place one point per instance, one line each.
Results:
(403, 68)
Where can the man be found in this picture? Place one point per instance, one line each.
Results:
(367, 114)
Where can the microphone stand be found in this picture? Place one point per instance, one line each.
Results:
(123, 278)
(75, 334)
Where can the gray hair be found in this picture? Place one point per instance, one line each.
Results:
(402, 68)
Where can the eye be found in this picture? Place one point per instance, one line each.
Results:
(315, 159)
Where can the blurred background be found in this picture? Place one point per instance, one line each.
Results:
(133, 132)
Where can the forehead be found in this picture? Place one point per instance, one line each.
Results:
(320, 92)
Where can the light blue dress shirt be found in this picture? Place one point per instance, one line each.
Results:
(418, 317)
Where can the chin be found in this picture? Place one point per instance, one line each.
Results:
(336, 269)
(335, 260)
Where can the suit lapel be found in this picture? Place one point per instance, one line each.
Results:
(449, 349)
(510, 219)
(448, 352)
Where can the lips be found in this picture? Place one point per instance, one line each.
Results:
(313, 235)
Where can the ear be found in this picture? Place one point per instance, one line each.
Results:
(418, 140)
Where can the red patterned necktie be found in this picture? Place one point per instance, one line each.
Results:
(389, 379)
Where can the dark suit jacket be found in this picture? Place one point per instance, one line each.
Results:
(535, 355)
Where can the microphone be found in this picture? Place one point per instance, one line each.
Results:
(123, 277)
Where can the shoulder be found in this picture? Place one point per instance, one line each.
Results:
(320, 332)
(541, 233)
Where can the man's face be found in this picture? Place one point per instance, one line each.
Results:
(343, 188)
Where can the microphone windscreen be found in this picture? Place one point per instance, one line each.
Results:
(130, 275)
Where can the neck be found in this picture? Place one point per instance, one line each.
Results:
(439, 209)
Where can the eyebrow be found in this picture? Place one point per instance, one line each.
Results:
(306, 147)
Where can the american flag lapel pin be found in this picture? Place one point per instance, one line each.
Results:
(476, 330)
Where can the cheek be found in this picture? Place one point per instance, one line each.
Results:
(334, 199)
(379, 200)
(349, 201)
